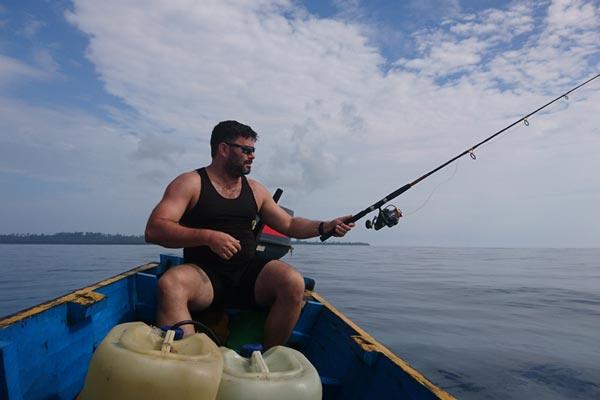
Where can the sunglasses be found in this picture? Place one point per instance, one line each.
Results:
(245, 149)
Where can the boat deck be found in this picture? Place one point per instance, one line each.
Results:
(45, 350)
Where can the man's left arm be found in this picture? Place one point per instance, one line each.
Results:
(296, 227)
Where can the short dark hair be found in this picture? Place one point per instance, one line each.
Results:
(228, 131)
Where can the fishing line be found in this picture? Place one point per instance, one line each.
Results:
(423, 204)
(440, 184)
(390, 215)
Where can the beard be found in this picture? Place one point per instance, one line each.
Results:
(236, 167)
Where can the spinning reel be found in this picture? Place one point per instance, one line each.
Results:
(389, 216)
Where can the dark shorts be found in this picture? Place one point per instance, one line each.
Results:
(234, 288)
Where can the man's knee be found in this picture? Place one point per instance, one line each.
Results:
(173, 284)
(279, 282)
(293, 285)
(168, 286)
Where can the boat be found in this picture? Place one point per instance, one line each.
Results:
(45, 351)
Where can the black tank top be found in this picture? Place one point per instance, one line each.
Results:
(232, 216)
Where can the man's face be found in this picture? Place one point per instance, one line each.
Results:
(241, 154)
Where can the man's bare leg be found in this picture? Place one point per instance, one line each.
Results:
(280, 286)
(180, 289)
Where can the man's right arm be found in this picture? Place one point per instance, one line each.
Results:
(163, 226)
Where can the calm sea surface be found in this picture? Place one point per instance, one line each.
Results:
(480, 323)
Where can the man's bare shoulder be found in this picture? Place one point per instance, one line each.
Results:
(261, 194)
(258, 187)
(189, 176)
(187, 182)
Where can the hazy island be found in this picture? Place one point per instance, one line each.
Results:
(107, 238)
(71, 238)
(328, 243)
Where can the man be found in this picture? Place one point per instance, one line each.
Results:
(210, 213)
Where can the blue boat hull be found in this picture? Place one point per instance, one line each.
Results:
(45, 351)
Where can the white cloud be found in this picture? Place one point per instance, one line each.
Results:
(459, 46)
(43, 68)
(223, 61)
(303, 163)
(103, 185)
(45, 61)
(525, 46)
(12, 69)
(336, 131)
(559, 52)
(56, 144)
(31, 27)
(495, 25)
(314, 90)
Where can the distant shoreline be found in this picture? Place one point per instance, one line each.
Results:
(72, 238)
(332, 243)
(80, 243)
(98, 238)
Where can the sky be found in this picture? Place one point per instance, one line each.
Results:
(103, 103)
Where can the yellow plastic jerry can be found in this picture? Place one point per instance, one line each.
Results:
(136, 361)
(279, 373)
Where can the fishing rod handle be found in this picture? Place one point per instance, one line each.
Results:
(329, 234)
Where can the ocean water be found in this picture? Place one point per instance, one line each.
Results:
(482, 323)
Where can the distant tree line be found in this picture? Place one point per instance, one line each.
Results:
(329, 243)
(72, 238)
(107, 238)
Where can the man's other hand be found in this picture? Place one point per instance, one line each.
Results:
(224, 245)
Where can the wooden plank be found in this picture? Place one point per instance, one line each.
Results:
(82, 307)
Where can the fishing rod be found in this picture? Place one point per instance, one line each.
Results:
(390, 215)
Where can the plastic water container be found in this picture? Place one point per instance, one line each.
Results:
(279, 373)
(135, 361)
